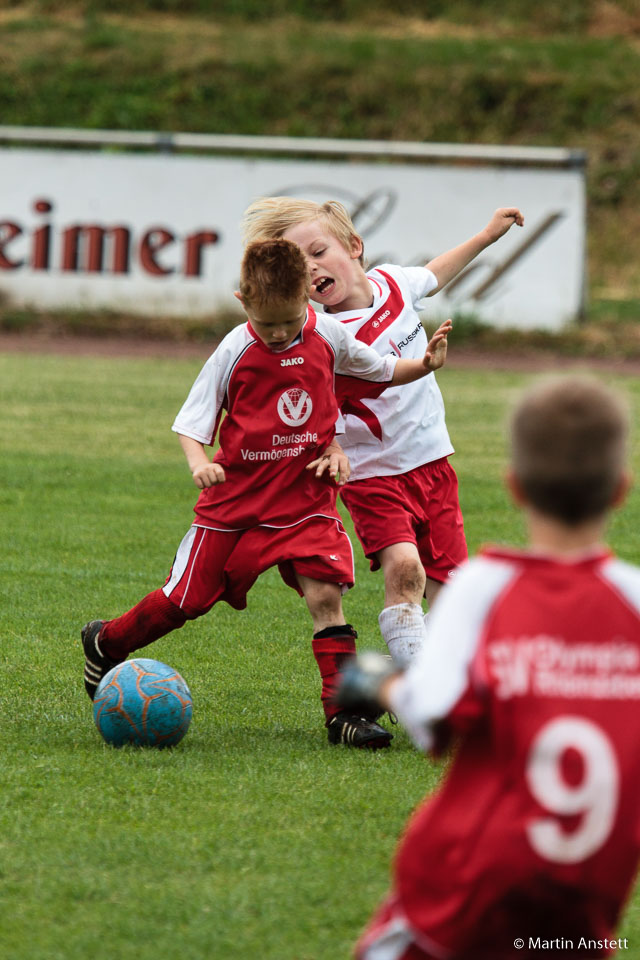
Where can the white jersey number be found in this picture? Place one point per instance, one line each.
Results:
(595, 797)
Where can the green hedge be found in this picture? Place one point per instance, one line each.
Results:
(544, 15)
(486, 72)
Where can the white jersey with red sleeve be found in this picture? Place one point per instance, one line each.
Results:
(534, 663)
(405, 426)
(280, 412)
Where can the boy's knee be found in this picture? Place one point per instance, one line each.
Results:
(325, 598)
(324, 601)
(405, 580)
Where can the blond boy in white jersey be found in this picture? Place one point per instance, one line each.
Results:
(402, 493)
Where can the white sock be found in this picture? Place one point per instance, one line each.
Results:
(402, 627)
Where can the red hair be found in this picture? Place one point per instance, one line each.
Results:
(274, 271)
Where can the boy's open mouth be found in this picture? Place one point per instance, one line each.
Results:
(323, 285)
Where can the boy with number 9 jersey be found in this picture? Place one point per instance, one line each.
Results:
(533, 663)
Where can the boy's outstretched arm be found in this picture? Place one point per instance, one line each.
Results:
(204, 472)
(406, 371)
(448, 265)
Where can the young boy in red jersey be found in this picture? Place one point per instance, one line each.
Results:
(260, 503)
(532, 661)
(402, 493)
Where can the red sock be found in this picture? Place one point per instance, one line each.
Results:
(149, 620)
(331, 647)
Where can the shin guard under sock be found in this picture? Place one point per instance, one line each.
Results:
(331, 647)
(403, 629)
(149, 620)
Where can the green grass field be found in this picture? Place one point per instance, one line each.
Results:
(253, 838)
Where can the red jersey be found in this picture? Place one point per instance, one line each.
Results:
(534, 663)
(281, 411)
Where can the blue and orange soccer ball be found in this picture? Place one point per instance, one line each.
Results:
(143, 702)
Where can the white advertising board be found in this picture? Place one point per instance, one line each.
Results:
(160, 234)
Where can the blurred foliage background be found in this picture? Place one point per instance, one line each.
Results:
(461, 71)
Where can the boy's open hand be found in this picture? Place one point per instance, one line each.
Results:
(335, 460)
(436, 352)
(208, 475)
(502, 220)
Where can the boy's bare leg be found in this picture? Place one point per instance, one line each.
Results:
(404, 577)
(431, 591)
(334, 641)
(402, 621)
(324, 601)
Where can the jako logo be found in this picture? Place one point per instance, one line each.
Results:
(381, 319)
(291, 361)
(294, 407)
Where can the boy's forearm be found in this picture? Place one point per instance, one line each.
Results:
(385, 694)
(194, 452)
(205, 472)
(448, 265)
(406, 371)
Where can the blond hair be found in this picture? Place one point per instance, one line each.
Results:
(568, 439)
(270, 217)
(273, 271)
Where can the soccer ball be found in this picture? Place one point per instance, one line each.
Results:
(144, 702)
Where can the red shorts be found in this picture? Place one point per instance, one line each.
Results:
(419, 507)
(390, 935)
(213, 565)
(500, 934)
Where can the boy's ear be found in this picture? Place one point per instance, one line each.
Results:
(514, 487)
(238, 296)
(624, 485)
(356, 247)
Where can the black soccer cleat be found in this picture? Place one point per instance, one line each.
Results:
(96, 663)
(354, 731)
